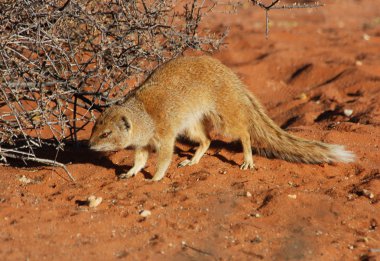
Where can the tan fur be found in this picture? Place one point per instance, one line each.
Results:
(187, 95)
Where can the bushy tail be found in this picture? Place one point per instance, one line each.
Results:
(275, 142)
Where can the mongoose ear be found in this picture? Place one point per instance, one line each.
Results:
(126, 122)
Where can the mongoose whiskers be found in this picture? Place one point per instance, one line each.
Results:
(184, 97)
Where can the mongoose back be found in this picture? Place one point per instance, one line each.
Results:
(186, 96)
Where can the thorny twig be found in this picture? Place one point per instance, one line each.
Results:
(184, 245)
(274, 5)
(62, 59)
(31, 157)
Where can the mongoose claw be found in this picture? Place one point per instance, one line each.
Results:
(126, 175)
(184, 163)
(247, 165)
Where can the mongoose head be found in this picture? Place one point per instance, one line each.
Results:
(112, 131)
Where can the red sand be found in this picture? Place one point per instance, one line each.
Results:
(314, 66)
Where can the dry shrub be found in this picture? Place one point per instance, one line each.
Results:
(62, 59)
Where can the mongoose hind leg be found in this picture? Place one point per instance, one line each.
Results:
(197, 133)
(165, 154)
(247, 151)
(141, 157)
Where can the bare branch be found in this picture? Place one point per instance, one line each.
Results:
(62, 59)
(8, 153)
(274, 5)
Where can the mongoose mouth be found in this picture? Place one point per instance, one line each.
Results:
(103, 148)
(104, 153)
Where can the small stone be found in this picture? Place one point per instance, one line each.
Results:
(292, 196)
(348, 112)
(145, 213)
(368, 194)
(223, 171)
(302, 96)
(366, 37)
(373, 224)
(249, 195)
(121, 254)
(359, 63)
(256, 215)
(25, 180)
(256, 240)
(94, 201)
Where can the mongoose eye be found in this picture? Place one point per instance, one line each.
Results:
(105, 135)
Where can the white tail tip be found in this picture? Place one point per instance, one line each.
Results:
(339, 154)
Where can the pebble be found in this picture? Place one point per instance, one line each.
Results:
(25, 180)
(256, 215)
(348, 112)
(359, 63)
(249, 195)
(368, 194)
(366, 37)
(302, 96)
(145, 213)
(94, 201)
(292, 196)
(223, 171)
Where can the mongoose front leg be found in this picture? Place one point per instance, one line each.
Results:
(247, 151)
(141, 157)
(165, 154)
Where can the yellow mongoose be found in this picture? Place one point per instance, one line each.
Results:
(186, 96)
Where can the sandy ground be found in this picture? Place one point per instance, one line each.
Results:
(318, 75)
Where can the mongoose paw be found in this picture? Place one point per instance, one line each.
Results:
(155, 179)
(184, 163)
(247, 165)
(126, 175)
